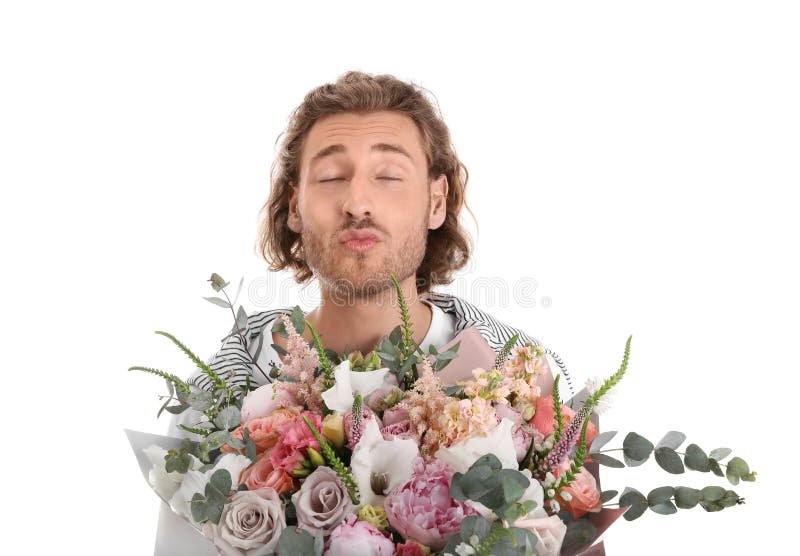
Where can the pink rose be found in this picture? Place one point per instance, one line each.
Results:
(358, 537)
(399, 430)
(411, 548)
(263, 430)
(549, 531)
(295, 438)
(262, 474)
(421, 509)
(545, 418)
(394, 415)
(583, 490)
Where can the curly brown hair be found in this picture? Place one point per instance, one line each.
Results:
(448, 247)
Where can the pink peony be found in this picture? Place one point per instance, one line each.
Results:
(295, 438)
(411, 548)
(358, 537)
(262, 474)
(421, 509)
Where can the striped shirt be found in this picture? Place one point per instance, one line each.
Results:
(233, 363)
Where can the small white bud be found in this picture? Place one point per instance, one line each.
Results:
(566, 496)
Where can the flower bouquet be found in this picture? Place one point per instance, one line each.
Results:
(456, 451)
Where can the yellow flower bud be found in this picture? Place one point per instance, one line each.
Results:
(333, 428)
(374, 515)
(315, 457)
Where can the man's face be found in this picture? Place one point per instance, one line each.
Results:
(364, 204)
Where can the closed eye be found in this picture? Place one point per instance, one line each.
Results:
(388, 178)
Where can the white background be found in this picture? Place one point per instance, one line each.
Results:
(638, 160)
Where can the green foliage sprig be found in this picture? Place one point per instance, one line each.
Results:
(558, 428)
(179, 384)
(324, 362)
(406, 326)
(613, 380)
(577, 462)
(505, 351)
(335, 463)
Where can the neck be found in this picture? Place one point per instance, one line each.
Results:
(359, 325)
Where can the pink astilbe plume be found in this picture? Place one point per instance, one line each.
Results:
(299, 365)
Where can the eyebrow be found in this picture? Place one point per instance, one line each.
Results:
(379, 147)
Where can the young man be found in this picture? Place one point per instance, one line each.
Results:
(366, 184)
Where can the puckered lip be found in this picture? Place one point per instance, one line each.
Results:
(358, 235)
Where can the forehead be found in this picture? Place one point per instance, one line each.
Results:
(357, 131)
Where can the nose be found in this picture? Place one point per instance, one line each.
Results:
(358, 202)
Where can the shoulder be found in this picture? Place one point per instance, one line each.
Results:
(496, 332)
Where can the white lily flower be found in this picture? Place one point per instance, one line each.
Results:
(341, 395)
(380, 463)
(195, 481)
(461, 455)
(165, 484)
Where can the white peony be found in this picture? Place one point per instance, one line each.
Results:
(341, 395)
(165, 484)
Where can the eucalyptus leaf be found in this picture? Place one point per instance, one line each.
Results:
(200, 400)
(607, 495)
(720, 454)
(665, 508)
(636, 449)
(177, 409)
(696, 459)
(737, 468)
(686, 498)
(298, 542)
(199, 508)
(218, 301)
(601, 440)
(712, 493)
(669, 460)
(298, 319)
(214, 509)
(673, 440)
(607, 460)
(241, 318)
(715, 468)
(660, 495)
(229, 417)
(217, 439)
(279, 350)
(218, 486)
(579, 533)
(637, 502)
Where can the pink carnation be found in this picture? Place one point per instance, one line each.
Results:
(358, 537)
(295, 438)
(421, 509)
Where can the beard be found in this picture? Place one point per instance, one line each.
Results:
(351, 276)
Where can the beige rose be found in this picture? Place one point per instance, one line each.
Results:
(251, 524)
(322, 502)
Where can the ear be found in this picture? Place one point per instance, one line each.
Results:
(293, 219)
(438, 202)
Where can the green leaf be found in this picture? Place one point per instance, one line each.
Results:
(214, 509)
(607, 495)
(686, 498)
(637, 502)
(696, 459)
(601, 440)
(715, 468)
(200, 400)
(218, 486)
(669, 461)
(241, 318)
(217, 439)
(720, 454)
(712, 493)
(737, 467)
(177, 409)
(298, 319)
(199, 508)
(229, 418)
(660, 495)
(217, 282)
(238, 291)
(580, 532)
(665, 508)
(637, 449)
(298, 542)
(673, 439)
(218, 301)
(608, 461)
